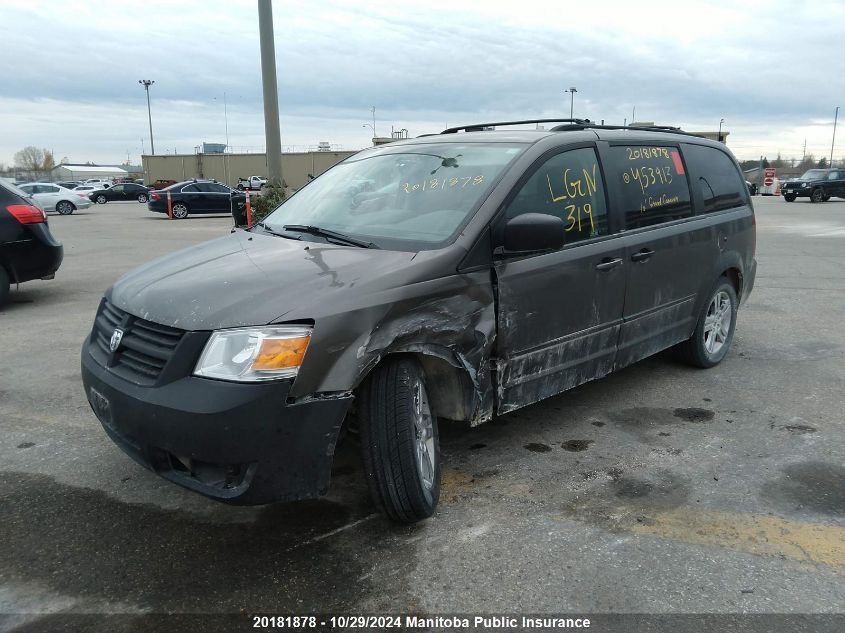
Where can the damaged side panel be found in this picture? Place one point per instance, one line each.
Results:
(559, 321)
(450, 322)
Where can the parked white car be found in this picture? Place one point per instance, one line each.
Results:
(52, 197)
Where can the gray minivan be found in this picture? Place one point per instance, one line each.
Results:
(449, 277)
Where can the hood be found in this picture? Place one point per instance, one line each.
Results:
(250, 278)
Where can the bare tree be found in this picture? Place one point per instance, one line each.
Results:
(30, 157)
(49, 162)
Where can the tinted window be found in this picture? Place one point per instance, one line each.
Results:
(30, 189)
(117, 188)
(218, 188)
(651, 182)
(716, 177)
(190, 189)
(569, 186)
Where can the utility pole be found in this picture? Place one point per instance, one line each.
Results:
(271, 92)
(720, 129)
(835, 118)
(804, 153)
(634, 115)
(226, 118)
(147, 83)
(373, 110)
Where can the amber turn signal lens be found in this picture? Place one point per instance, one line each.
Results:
(281, 353)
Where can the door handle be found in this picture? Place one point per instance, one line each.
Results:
(642, 255)
(608, 264)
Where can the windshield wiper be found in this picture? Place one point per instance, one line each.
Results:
(272, 232)
(332, 235)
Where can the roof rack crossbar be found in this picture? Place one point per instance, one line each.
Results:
(475, 127)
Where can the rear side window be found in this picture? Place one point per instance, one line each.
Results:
(716, 177)
(567, 185)
(190, 189)
(651, 183)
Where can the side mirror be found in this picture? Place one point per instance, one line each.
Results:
(534, 232)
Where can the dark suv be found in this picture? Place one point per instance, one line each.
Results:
(819, 185)
(27, 248)
(450, 277)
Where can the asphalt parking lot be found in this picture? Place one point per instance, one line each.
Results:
(660, 489)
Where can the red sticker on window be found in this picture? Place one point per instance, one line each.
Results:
(676, 160)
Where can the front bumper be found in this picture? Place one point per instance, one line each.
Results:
(238, 443)
(798, 193)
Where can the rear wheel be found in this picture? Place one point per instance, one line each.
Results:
(65, 207)
(789, 197)
(142, 198)
(180, 210)
(714, 332)
(4, 285)
(399, 440)
(817, 196)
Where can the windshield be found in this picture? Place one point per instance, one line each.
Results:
(420, 193)
(814, 174)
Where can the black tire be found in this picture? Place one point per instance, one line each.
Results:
(240, 187)
(4, 286)
(789, 197)
(180, 210)
(402, 486)
(101, 199)
(817, 196)
(142, 198)
(698, 350)
(826, 198)
(65, 207)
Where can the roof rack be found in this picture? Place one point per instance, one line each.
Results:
(478, 127)
(569, 125)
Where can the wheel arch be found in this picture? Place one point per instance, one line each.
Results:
(452, 391)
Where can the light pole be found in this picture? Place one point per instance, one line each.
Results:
(833, 140)
(372, 127)
(720, 129)
(147, 83)
(571, 92)
(373, 110)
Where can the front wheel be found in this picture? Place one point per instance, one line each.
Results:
(101, 199)
(714, 332)
(142, 198)
(817, 196)
(789, 197)
(65, 208)
(399, 440)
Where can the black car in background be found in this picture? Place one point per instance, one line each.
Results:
(197, 196)
(122, 191)
(819, 185)
(27, 248)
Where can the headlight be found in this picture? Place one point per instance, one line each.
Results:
(804, 184)
(254, 354)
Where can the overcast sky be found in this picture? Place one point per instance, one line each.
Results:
(70, 76)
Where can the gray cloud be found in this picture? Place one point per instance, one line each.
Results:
(421, 65)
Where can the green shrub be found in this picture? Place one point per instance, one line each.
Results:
(270, 198)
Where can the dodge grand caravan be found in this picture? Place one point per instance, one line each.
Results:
(449, 277)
